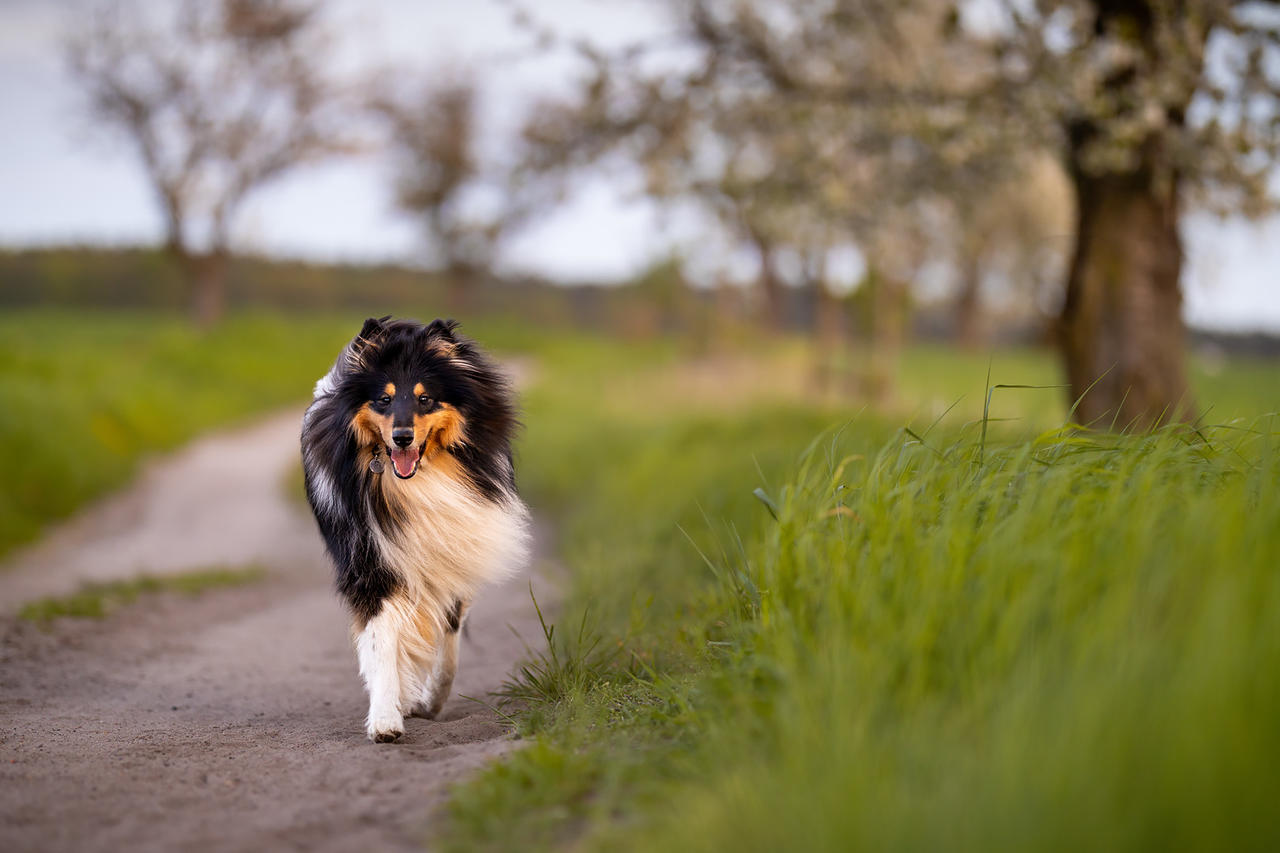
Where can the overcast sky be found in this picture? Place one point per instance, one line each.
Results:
(63, 181)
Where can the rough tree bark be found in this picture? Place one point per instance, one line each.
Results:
(1121, 329)
(1121, 326)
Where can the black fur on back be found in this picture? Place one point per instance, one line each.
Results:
(342, 492)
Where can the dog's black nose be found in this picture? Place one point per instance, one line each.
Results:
(402, 436)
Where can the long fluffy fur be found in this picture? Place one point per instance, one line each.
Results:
(411, 554)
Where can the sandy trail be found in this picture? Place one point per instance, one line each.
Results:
(229, 721)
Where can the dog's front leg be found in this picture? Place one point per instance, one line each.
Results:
(378, 650)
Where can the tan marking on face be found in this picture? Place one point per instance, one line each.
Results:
(418, 390)
(440, 430)
(370, 427)
(390, 390)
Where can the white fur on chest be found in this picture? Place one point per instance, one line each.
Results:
(454, 540)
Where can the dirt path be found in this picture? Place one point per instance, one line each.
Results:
(229, 721)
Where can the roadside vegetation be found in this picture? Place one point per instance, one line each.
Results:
(796, 627)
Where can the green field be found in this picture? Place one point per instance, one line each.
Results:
(911, 636)
(793, 623)
(85, 397)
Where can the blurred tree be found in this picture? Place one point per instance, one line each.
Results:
(433, 139)
(1150, 102)
(219, 99)
(1008, 245)
(881, 105)
(794, 174)
(746, 212)
(1153, 103)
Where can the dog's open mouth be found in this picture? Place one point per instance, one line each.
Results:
(404, 460)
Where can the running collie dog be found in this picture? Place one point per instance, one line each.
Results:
(407, 454)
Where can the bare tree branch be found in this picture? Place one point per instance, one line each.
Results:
(219, 99)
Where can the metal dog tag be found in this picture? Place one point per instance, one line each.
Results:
(375, 464)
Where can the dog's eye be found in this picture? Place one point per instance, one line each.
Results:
(427, 402)
(384, 400)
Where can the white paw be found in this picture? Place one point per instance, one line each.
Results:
(384, 728)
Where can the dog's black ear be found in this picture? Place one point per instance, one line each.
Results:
(369, 333)
(372, 328)
(443, 329)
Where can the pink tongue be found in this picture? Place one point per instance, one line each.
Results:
(404, 460)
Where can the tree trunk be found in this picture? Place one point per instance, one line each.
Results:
(889, 309)
(460, 280)
(968, 308)
(206, 278)
(772, 313)
(210, 283)
(1121, 329)
(828, 335)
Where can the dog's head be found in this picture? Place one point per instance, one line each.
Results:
(416, 390)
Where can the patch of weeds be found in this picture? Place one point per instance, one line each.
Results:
(572, 780)
(552, 786)
(564, 667)
(97, 600)
(580, 695)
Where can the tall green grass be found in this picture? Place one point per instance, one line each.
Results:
(913, 639)
(1074, 644)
